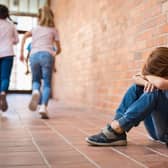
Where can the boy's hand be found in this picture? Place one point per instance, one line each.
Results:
(149, 87)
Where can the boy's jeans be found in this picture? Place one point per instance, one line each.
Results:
(152, 107)
(6, 64)
(41, 66)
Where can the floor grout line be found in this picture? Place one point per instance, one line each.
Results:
(159, 153)
(130, 158)
(35, 144)
(69, 143)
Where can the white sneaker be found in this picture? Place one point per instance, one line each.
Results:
(34, 100)
(43, 112)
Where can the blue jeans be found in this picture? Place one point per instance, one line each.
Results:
(6, 64)
(41, 66)
(151, 107)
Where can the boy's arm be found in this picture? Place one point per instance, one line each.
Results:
(158, 82)
(139, 79)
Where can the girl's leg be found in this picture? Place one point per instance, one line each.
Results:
(6, 67)
(5, 73)
(36, 71)
(46, 64)
(36, 81)
(132, 94)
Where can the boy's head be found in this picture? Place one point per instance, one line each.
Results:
(157, 63)
(4, 12)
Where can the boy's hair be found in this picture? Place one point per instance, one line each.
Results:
(4, 12)
(46, 17)
(157, 63)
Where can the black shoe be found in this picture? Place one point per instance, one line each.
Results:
(3, 103)
(108, 137)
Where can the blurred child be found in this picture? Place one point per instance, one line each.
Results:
(44, 36)
(8, 37)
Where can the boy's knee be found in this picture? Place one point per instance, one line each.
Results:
(136, 87)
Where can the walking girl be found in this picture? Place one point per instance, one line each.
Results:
(44, 36)
(8, 38)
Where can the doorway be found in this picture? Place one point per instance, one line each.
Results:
(19, 80)
(24, 12)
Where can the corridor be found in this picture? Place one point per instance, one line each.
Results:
(26, 141)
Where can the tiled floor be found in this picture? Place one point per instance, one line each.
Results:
(26, 141)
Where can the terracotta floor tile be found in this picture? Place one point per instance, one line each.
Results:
(20, 158)
(26, 141)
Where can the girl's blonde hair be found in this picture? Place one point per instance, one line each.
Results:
(157, 63)
(46, 17)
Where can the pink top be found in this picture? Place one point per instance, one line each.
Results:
(8, 37)
(43, 38)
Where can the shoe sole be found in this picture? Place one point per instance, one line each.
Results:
(34, 102)
(44, 115)
(116, 143)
